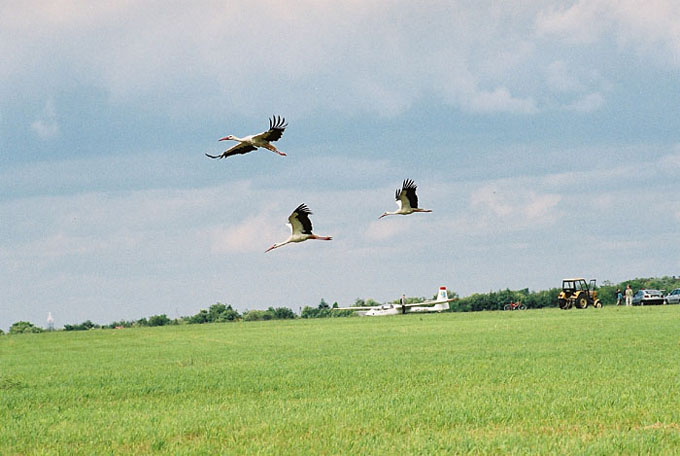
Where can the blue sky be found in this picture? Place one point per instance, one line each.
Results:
(544, 136)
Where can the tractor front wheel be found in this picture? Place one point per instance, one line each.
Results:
(582, 301)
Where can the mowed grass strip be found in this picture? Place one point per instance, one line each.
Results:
(594, 381)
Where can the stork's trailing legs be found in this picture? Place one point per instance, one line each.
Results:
(275, 150)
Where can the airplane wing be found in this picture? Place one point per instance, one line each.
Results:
(355, 308)
(428, 303)
(398, 305)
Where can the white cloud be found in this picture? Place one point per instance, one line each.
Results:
(500, 100)
(651, 29)
(209, 56)
(352, 57)
(560, 77)
(670, 163)
(576, 88)
(46, 126)
(488, 199)
(588, 103)
(249, 235)
(540, 207)
(505, 206)
(574, 23)
(381, 230)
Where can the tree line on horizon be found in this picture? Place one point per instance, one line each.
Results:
(494, 300)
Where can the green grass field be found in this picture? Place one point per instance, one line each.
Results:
(546, 381)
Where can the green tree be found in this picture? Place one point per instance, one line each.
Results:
(159, 320)
(24, 327)
(255, 315)
(84, 326)
(543, 298)
(316, 312)
(201, 317)
(219, 312)
(284, 313)
(120, 324)
(309, 312)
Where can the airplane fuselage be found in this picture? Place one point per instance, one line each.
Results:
(396, 309)
(435, 308)
(382, 311)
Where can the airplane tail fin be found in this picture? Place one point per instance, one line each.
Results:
(442, 296)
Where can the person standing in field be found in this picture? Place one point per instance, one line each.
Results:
(629, 295)
(619, 297)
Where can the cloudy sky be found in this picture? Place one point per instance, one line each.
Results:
(545, 136)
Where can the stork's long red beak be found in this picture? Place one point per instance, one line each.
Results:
(223, 139)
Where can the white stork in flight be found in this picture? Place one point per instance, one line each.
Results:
(407, 200)
(276, 127)
(301, 227)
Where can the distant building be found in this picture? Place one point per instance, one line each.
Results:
(50, 322)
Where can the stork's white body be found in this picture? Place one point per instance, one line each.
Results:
(251, 140)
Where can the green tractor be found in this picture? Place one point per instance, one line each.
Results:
(577, 293)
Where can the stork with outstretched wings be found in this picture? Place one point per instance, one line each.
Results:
(407, 200)
(301, 228)
(277, 125)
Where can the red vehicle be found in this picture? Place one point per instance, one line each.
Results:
(515, 306)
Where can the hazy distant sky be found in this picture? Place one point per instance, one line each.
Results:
(545, 136)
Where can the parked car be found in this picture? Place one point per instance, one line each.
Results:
(673, 297)
(646, 297)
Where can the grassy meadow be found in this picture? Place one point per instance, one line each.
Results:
(595, 381)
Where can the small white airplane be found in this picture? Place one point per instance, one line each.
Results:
(438, 305)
